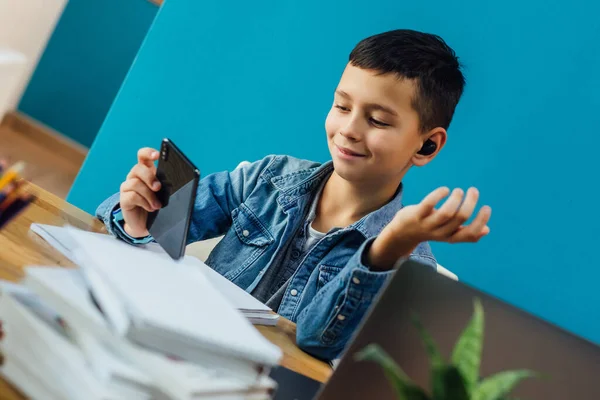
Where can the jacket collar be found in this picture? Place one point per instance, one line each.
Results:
(296, 186)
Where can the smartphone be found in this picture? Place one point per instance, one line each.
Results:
(179, 179)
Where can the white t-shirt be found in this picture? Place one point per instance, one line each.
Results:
(312, 238)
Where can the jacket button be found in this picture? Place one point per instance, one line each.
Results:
(246, 233)
(294, 292)
(341, 317)
(356, 280)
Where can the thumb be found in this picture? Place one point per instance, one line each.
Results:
(147, 156)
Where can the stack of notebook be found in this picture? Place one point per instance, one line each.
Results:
(129, 323)
(44, 359)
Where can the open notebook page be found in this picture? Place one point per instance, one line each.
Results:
(59, 238)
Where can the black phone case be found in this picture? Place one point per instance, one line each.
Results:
(179, 181)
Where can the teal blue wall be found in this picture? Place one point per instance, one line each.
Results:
(85, 63)
(230, 84)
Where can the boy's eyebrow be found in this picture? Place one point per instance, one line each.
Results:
(343, 94)
(383, 108)
(373, 106)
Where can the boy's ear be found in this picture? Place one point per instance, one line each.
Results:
(438, 137)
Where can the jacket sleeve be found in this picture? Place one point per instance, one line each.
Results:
(217, 196)
(326, 325)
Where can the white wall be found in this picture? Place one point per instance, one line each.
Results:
(12, 66)
(26, 26)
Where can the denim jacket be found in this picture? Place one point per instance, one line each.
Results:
(259, 207)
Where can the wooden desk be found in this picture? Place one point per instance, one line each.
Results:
(19, 247)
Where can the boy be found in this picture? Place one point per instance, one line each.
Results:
(317, 242)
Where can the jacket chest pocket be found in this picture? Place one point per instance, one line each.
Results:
(326, 274)
(247, 241)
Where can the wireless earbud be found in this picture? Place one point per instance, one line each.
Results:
(429, 147)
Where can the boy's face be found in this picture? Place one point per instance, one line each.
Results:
(372, 129)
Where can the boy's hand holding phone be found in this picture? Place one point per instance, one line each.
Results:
(423, 222)
(138, 193)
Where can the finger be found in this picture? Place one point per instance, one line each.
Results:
(463, 236)
(448, 210)
(139, 187)
(465, 211)
(476, 229)
(130, 200)
(145, 174)
(431, 200)
(147, 156)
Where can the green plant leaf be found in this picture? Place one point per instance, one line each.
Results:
(467, 351)
(448, 384)
(498, 386)
(434, 354)
(375, 353)
(404, 387)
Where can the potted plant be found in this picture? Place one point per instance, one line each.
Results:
(458, 379)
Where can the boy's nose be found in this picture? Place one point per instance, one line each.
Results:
(351, 134)
(351, 131)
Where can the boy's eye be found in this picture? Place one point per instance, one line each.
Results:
(379, 123)
(342, 108)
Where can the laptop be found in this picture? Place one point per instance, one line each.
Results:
(513, 339)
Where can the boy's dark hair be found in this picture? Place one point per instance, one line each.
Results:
(426, 59)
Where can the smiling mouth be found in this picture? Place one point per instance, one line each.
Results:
(349, 152)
